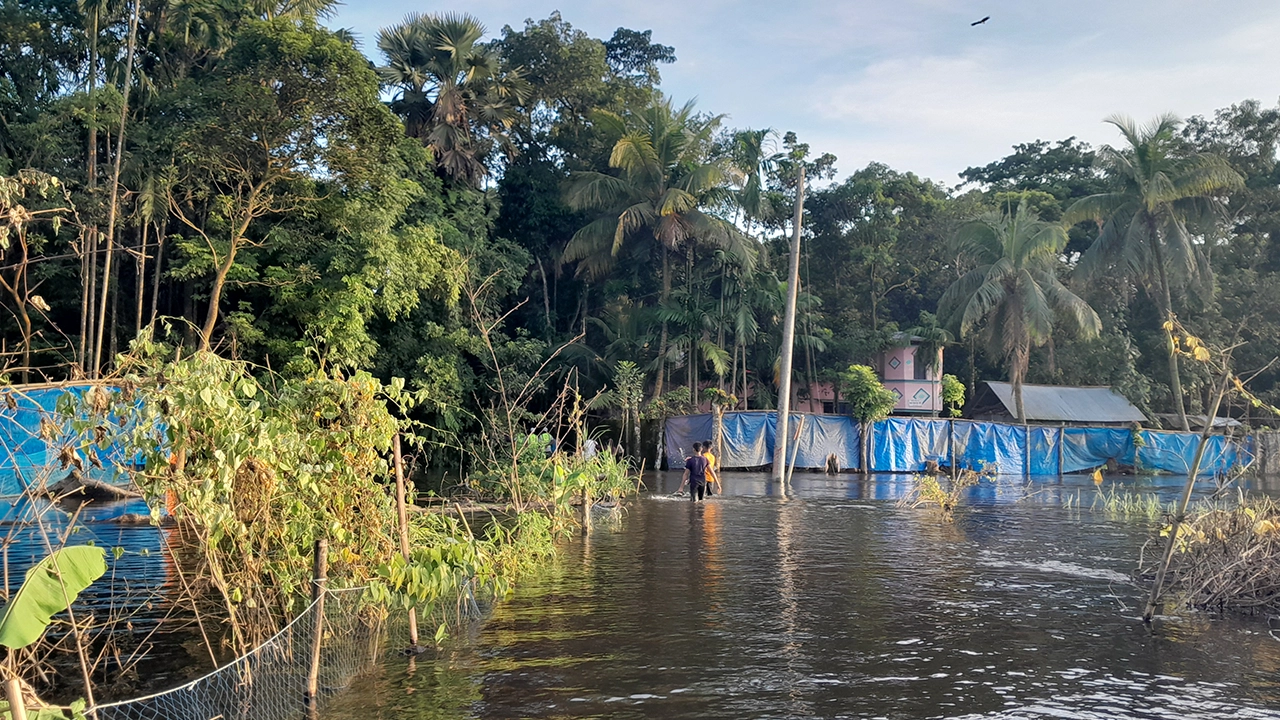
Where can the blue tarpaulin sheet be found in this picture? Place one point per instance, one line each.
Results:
(1044, 450)
(1088, 448)
(749, 438)
(990, 446)
(25, 457)
(1174, 452)
(817, 436)
(906, 444)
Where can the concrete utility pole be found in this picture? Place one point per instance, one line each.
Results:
(788, 338)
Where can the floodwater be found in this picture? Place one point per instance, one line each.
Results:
(832, 602)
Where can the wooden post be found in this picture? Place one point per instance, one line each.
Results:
(951, 449)
(403, 509)
(1062, 440)
(317, 631)
(1026, 450)
(795, 449)
(13, 693)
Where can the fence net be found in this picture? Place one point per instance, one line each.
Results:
(270, 682)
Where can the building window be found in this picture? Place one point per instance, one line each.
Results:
(922, 372)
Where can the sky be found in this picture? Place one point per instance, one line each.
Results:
(910, 83)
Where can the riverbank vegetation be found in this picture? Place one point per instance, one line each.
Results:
(246, 470)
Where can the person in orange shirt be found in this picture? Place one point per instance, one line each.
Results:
(713, 470)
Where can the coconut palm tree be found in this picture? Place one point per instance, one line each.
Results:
(659, 195)
(1014, 288)
(1144, 222)
(454, 93)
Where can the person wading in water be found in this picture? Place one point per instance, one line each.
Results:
(713, 471)
(695, 473)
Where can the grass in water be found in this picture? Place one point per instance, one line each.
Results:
(1129, 504)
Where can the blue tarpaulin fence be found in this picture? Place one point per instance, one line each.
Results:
(907, 444)
(25, 456)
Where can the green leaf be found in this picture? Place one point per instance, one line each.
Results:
(48, 588)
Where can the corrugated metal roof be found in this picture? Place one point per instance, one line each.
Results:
(1053, 403)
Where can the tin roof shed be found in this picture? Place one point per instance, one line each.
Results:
(1054, 404)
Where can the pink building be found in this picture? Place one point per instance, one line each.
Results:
(919, 390)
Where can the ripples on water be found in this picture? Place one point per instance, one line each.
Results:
(835, 603)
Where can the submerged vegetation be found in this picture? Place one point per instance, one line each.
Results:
(1227, 559)
(943, 494)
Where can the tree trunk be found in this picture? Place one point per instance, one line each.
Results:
(662, 342)
(113, 207)
(788, 336)
(1175, 377)
(140, 283)
(1018, 373)
(91, 307)
(155, 284)
(85, 294)
(720, 322)
(92, 169)
(113, 345)
(546, 296)
(215, 298)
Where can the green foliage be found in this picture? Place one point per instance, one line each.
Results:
(676, 402)
(867, 397)
(50, 587)
(74, 712)
(953, 395)
(256, 475)
(719, 399)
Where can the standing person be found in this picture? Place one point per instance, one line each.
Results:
(695, 473)
(589, 448)
(713, 470)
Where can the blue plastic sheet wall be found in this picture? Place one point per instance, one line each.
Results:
(683, 432)
(1044, 450)
(749, 439)
(818, 436)
(990, 447)
(906, 444)
(1088, 448)
(1174, 452)
(24, 456)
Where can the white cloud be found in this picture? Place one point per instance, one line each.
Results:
(909, 83)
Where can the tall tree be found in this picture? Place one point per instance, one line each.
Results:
(661, 195)
(1144, 223)
(290, 115)
(1014, 288)
(454, 93)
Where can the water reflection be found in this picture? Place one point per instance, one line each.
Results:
(829, 601)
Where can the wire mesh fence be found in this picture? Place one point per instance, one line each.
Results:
(270, 682)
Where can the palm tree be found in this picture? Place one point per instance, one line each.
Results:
(664, 181)
(454, 93)
(753, 157)
(1144, 222)
(1013, 288)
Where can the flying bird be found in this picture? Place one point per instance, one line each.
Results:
(972, 24)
